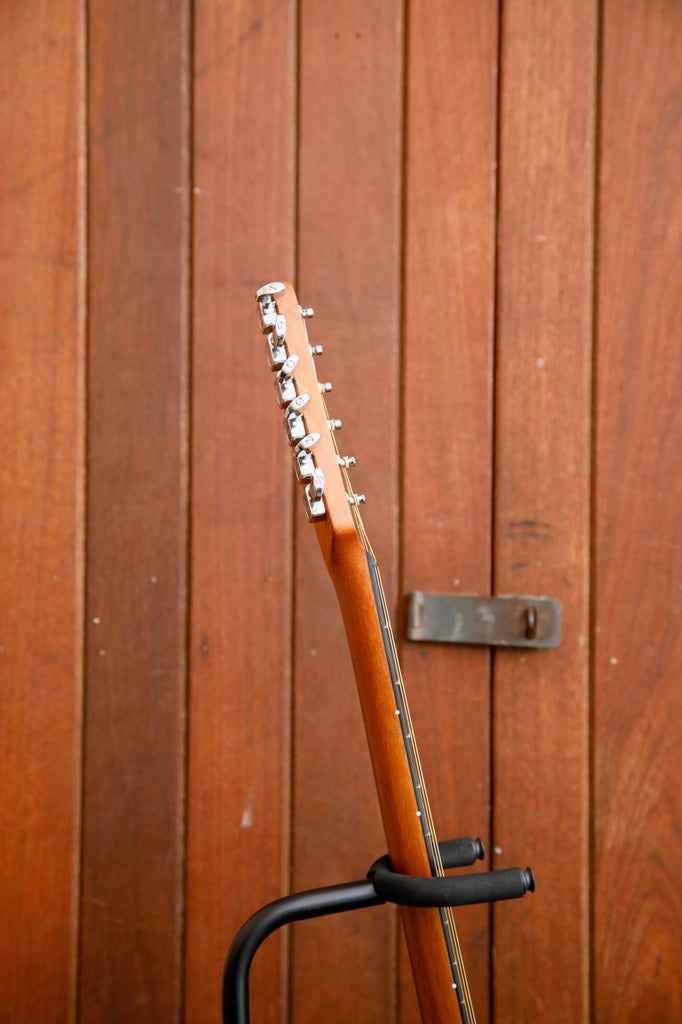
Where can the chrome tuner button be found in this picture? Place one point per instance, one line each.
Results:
(307, 314)
(286, 389)
(277, 354)
(293, 420)
(298, 404)
(325, 388)
(287, 368)
(303, 460)
(316, 485)
(314, 502)
(307, 443)
(272, 289)
(284, 385)
(277, 350)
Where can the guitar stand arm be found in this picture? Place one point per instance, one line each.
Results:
(383, 885)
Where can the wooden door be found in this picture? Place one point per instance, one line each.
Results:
(481, 202)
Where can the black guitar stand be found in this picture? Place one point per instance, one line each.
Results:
(383, 885)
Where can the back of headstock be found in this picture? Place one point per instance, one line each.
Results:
(328, 496)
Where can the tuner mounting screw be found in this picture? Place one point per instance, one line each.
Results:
(325, 388)
(316, 350)
(346, 460)
(307, 314)
(334, 424)
(356, 499)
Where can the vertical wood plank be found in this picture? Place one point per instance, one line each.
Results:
(447, 422)
(239, 764)
(542, 499)
(638, 641)
(349, 270)
(41, 489)
(137, 499)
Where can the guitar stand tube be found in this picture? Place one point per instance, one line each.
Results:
(383, 885)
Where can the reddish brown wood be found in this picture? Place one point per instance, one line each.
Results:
(239, 763)
(447, 424)
(132, 900)
(638, 647)
(542, 501)
(41, 504)
(348, 270)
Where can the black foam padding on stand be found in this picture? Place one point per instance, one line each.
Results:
(449, 891)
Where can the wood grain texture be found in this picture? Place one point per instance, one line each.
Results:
(132, 898)
(41, 504)
(638, 645)
(239, 760)
(349, 271)
(542, 500)
(447, 413)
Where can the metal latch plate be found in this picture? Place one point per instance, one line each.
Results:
(504, 621)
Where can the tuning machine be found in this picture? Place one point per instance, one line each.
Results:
(304, 466)
(267, 310)
(284, 385)
(277, 350)
(270, 291)
(314, 501)
(293, 418)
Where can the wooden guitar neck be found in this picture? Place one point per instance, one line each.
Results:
(333, 507)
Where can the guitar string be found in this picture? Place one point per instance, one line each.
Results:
(438, 863)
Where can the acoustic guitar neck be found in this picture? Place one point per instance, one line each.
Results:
(334, 509)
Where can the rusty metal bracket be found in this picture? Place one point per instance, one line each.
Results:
(505, 621)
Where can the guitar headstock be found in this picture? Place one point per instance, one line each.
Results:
(328, 496)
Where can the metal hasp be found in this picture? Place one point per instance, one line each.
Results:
(492, 621)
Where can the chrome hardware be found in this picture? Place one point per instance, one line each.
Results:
(298, 403)
(277, 350)
(314, 503)
(287, 368)
(356, 499)
(284, 385)
(295, 428)
(334, 424)
(277, 354)
(307, 443)
(307, 313)
(325, 388)
(316, 485)
(270, 290)
(267, 314)
(293, 421)
(316, 350)
(280, 326)
(303, 460)
(346, 461)
(285, 391)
